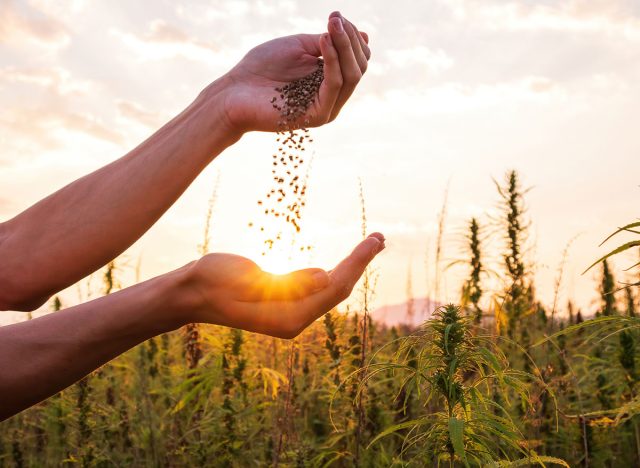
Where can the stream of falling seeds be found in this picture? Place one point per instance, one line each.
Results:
(286, 198)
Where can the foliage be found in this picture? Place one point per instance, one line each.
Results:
(456, 375)
(350, 392)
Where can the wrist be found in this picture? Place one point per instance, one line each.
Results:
(214, 101)
(182, 298)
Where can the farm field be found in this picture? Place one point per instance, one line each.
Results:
(512, 382)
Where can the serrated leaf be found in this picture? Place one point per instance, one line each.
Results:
(456, 435)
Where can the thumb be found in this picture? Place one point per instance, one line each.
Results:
(346, 274)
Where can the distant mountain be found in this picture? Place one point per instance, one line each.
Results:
(406, 313)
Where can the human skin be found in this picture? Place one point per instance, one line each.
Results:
(79, 228)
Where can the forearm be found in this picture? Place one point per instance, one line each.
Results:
(81, 227)
(42, 356)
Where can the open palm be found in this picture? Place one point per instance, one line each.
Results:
(233, 291)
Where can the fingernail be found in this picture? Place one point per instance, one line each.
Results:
(320, 280)
(337, 24)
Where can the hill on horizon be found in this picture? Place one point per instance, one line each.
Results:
(405, 313)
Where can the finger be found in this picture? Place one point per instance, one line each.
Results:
(289, 287)
(332, 82)
(355, 35)
(349, 67)
(364, 35)
(356, 45)
(364, 43)
(344, 276)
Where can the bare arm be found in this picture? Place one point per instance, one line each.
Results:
(42, 356)
(81, 227)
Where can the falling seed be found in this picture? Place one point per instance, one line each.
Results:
(291, 103)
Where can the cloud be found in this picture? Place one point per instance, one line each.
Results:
(540, 84)
(29, 131)
(58, 80)
(164, 41)
(90, 125)
(610, 17)
(24, 24)
(205, 13)
(160, 31)
(454, 97)
(60, 9)
(134, 111)
(434, 60)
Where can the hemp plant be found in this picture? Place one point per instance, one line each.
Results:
(633, 228)
(456, 374)
(472, 287)
(517, 301)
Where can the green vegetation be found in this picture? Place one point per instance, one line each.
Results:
(497, 381)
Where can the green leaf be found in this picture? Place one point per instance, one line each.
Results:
(447, 330)
(397, 427)
(628, 227)
(491, 359)
(599, 321)
(620, 249)
(539, 460)
(456, 435)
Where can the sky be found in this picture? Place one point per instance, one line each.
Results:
(457, 93)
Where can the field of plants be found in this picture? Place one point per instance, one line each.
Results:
(498, 379)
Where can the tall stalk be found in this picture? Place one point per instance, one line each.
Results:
(193, 347)
(442, 218)
(516, 303)
(472, 289)
(607, 291)
(364, 335)
(558, 283)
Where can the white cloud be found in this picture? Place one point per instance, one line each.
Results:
(25, 25)
(613, 18)
(135, 112)
(205, 13)
(455, 97)
(434, 60)
(164, 41)
(31, 131)
(57, 79)
(60, 9)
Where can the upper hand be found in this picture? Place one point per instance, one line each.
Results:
(233, 291)
(252, 82)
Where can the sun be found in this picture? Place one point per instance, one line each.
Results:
(277, 265)
(280, 251)
(282, 259)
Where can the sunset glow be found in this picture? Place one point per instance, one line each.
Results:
(342, 234)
